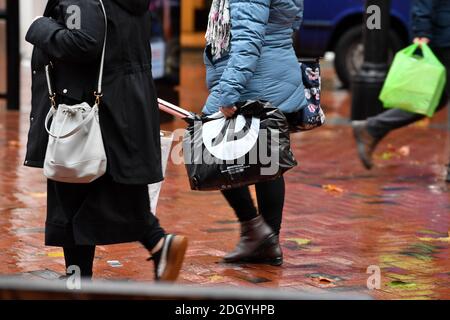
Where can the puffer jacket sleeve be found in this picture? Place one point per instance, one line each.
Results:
(422, 14)
(299, 18)
(71, 42)
(249, 20)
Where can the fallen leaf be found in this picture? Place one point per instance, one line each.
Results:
(215, 278)
(425, 123)
(325, 280)
(391, 148)
(436, 239)
(13, 143)
(401, 284)
(300, 241)
(404, 151)
(55, 254)
(37, 195)
(332, 188)
(387, 155)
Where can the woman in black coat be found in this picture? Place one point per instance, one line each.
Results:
(116, 207)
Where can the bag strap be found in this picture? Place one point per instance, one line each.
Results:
(99, 92)
(51, 114)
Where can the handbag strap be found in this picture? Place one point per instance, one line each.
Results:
(80, 125)
(99, 92)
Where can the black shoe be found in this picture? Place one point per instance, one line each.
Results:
(448, 174)
(365, 142)
(169, 259)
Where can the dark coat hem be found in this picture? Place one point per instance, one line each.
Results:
(58, 235)
(121, 180)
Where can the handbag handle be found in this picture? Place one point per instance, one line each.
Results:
(52, 112)
(99, 92)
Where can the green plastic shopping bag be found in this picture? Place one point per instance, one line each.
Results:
(415, 82)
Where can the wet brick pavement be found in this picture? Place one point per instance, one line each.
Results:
(339, 219)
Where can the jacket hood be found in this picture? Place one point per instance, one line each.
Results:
(136, 7)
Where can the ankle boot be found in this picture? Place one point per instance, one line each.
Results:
(258, 244)
(365, 142)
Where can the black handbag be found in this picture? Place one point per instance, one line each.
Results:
(253, 146)
(312, 115)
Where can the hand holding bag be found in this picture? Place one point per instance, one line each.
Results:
(253, 146)
(75, 151)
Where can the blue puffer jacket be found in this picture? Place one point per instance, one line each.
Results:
(431, 19)
(262, 63)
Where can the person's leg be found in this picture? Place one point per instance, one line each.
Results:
(258, 243)
(270, 196)
(241, 201)
(383, 123)
(167, 250)
(153, 236)
(82, 257)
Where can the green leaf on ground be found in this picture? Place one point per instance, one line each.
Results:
(398, 284)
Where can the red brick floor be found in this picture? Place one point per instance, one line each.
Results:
(395, 217)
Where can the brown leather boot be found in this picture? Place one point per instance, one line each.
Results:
(365, 142)
(258, 244)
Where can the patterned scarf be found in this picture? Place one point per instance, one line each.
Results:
(218, 34)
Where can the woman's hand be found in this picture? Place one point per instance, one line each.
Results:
(228, 111)
(421, 41)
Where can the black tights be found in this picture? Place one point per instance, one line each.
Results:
(83, 256)
(270, 196)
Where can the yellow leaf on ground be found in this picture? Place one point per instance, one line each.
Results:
(436, 239)
(215, 278)
(425, 123)
(55, 254)
(332, 188)
(37, 194)
(300, 241)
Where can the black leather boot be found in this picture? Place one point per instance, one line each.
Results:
(258, 244)
(366, 143)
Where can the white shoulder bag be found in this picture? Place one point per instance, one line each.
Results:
(75, 151)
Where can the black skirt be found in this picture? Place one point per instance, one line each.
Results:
(100, 213)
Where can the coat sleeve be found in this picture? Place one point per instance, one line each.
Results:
(249, 19)
(75, 41)
(422, 15)
(299, 18)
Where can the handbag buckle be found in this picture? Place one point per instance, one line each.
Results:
(98, 97)
(53, 100)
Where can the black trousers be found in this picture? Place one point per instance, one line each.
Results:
(380, 125)
(83, 256)
(270, 197)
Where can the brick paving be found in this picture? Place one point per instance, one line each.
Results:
(339, 219)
